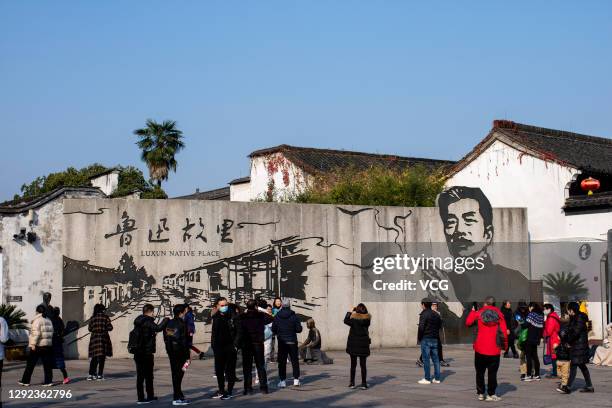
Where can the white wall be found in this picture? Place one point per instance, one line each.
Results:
(240, 192)
(108, 183)
(258, 186)
(510, 178)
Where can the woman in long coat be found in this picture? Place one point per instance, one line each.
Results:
(358, 342)
(578, 339)
(100, 345)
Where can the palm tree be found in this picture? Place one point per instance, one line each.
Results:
(159, 143)
(565, 286)
(14, 318)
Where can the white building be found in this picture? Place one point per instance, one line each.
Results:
(283, 171)
(518, 165)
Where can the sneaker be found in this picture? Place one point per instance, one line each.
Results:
(536, 378)
(363, 386)
(523, 376)
(424, 381)
(47, 385)
(91, 377)
(217, 395)
(481, 397)
(202, 356)
(282, 384)
(23, 384)
(444, 364)
(66, 380)
(142, 402)
(226, 397)
(352, 386)
(296, 382)
(564, 389)
(264, 389)
(587, 389)
(434, 381)
(493, 398)
(527, 378)
(180, 402)
(100, 378)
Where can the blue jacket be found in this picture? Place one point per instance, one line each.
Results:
(286, 325)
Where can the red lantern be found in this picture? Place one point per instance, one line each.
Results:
(590, 184)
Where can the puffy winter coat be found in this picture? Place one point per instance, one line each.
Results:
(358, 342)
(578, 338)
(429, 325)
(41, 332)
(253, 324)
(552, 326)
(286, 325)
(486, 339)
(148, 333)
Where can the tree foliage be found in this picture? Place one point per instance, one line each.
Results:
(15, 318)
(565, 286)
(413, 187)
(130, 180)
(160, 142)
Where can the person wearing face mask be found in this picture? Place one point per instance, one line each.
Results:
(224, 341)
(535, 326)
(552, 325)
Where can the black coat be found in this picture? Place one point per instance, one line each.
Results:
(429, 325)
(225, 333)
(358, 342)
(253, 324)
(509, 318)
(286, 325)
(578, 338)
(177, 343)
(148, 332)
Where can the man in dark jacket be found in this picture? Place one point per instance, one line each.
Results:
(225, 339)
(428, 336)
(253, 324)
(286, 326)
(177, 347)
(578, 340)
(143, 355)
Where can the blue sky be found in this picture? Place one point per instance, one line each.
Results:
(411, 78)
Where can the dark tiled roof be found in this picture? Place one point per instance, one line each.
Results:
(240, 180)
(587, 153)
(217, 194)
(327, 160)
(25, 204)
(104, 172)
(597, 201)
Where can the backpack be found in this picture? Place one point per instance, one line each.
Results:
(135, 340)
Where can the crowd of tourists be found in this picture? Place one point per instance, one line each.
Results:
(261, 333)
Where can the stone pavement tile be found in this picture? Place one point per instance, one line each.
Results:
(392, 372)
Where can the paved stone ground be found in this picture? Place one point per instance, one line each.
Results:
(392, 375)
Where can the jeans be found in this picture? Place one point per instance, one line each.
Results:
(144, 374)
(553, 371)
(585, 374)
(177, 359)
(250, 352)
(97, 362)
(486, 363)
(46, 355)
(533, 362)
(291, 350)
(362, 365)
(225, 369)
(429, 348)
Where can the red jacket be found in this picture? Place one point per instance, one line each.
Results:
(552, 325)
(486, 340)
